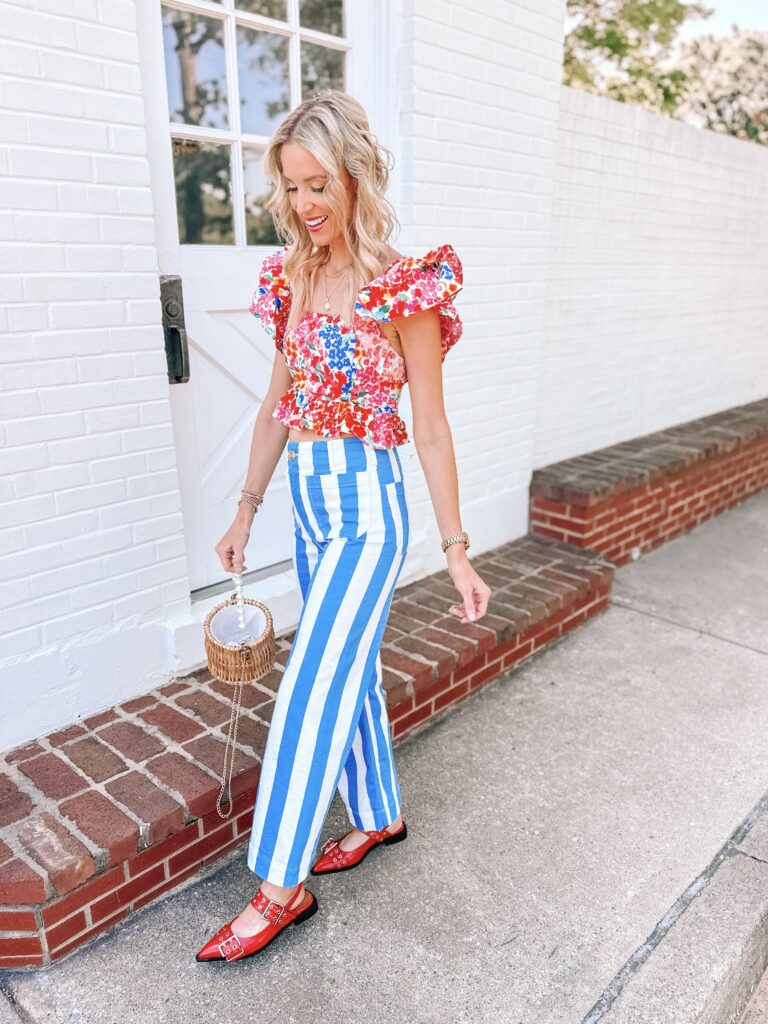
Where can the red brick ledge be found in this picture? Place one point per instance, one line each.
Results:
(627, 499)
(108, 815)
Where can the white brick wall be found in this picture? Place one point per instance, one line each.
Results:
(480, 87)
(91, 546)
(656, 297)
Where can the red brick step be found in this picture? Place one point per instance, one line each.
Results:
(627, 499)
(103, 817)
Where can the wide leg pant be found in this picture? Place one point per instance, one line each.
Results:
(329, 726)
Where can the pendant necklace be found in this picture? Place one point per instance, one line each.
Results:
(327, 293)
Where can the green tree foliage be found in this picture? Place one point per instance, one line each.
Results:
(622, 49)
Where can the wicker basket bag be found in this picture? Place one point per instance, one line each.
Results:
(240, 646)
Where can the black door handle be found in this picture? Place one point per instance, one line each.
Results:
(174, 328)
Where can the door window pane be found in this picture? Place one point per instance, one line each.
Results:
(259, 229)
(203, 192)
(322, 16)
(195, 69)
(267, 8)
(265, 92)
(321, 68)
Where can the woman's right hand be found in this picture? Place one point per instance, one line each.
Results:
(231, 547)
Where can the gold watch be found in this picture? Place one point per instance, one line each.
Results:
(456, 538)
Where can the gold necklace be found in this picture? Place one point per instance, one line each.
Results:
(327, 293)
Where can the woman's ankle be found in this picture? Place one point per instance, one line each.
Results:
(280, 894)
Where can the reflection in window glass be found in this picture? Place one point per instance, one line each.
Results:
(267, 8)
(321, 68)
(203, 192)
(259, 227)
(195, 69)
(262, 67)
(322, 15)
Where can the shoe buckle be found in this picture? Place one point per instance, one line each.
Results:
(265, 912)
(230, 945)
(328, 845)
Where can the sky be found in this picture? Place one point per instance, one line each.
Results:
(744, 13)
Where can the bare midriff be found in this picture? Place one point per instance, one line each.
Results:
(310, 435)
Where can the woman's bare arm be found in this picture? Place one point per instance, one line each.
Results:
(420, 338)
(267, 445)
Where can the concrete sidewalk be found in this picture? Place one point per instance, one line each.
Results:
(569, 841)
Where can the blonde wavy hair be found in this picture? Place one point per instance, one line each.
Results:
(333, 126)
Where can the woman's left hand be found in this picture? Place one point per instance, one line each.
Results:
(474, 592)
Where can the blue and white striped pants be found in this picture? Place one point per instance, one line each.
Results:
(329, 726)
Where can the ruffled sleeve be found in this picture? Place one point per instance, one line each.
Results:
(413, 284)
(271, 301)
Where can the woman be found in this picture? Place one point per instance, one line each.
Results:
(348, 316)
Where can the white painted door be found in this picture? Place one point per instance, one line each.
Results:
(217, 78)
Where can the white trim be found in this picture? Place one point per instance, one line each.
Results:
(294, 59)
(387, 16)
(235, 152)
(159, 154)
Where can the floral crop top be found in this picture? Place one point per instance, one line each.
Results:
(347, 379)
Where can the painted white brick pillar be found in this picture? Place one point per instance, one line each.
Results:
(92, 560)
(479, 102)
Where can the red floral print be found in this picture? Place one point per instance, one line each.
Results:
(348, 379)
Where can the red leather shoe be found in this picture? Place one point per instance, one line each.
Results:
(226, 945)
(333, 858)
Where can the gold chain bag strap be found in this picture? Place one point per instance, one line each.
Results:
(241, 649)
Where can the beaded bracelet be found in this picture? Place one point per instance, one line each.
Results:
(251, 498)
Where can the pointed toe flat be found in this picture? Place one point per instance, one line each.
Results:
(226, 946)
(333, 858)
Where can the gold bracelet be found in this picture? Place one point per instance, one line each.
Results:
(249, 501)
(456, 538)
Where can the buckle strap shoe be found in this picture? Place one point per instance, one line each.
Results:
(334, 858)
(227, 946)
